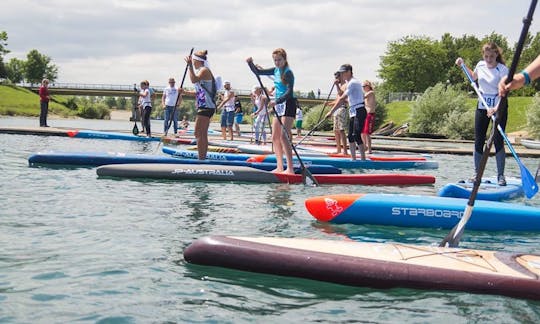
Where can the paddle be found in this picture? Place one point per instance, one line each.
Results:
(135, 129)
(319, 123)
(169, 122)
(306, 174)
(453, 238)
(530, 188)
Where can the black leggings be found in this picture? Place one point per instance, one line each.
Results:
(356, 124)
(481, 123)
(146, 119)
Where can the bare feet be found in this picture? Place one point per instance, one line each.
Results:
(289, 171)
(276, 170)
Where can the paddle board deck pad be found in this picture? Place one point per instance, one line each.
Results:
(488, 190)
(247, 174)
(103, 158)
(375, 265)
(422, 211)
(337, 162)
(110, 136)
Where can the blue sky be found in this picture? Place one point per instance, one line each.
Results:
(125, 41)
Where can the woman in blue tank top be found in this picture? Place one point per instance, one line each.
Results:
(284, 107)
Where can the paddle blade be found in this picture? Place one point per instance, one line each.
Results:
(135, 129)
(453, 238)
(530, 187)
(308, 178)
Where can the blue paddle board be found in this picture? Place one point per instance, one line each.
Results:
(103, 158)
(422, 211)
(488, 190)
(336, 162)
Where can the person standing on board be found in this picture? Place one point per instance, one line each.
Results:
(488, 73)
(238, 115)
(205, 92)
(227, 112)
(339, 117)
(169, 103)
(523, 78)
(299, 119)
(357, 111)
(284, 106)
(259, 101)
(369, 97)
(146, 104)
(44, 98)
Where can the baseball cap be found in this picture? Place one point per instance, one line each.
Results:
(345, 68)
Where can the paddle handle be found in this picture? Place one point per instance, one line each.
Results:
(169, 122)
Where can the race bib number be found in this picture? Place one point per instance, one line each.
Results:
(280, 109)
(491, 101)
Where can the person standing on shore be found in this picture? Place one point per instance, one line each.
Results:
(488, 73)
(169, 102)
(369, 97)
(44, 98)
(284, 106)
(357, 111)
(146, 104)
(205, 92)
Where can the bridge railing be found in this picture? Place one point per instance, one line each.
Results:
(124, 87)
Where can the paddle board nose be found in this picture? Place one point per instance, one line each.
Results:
(326, 208)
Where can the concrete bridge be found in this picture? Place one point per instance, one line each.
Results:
(116, 90)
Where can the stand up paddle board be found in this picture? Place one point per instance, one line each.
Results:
(375, 265)
(248, 174)
(103, 158)
(488, 190)
(110, 136)
(337, 162)
(422, 211)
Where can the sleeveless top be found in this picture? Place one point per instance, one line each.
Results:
(146, 100)
(258, 103)
(203, 96)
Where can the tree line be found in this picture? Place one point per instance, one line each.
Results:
(32, 70)
(410, 64)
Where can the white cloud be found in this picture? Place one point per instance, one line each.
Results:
(124, 41)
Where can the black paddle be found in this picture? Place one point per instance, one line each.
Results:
(135, 129)
(169, 122)
(453, 238)
(305, 172)
(319, 121)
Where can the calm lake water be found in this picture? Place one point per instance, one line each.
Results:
(76, 248)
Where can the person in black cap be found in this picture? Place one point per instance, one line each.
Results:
(357, 111)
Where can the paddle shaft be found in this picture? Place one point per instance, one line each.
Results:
(305, 171)
(453, 238)
(169, 122)
(319, 122)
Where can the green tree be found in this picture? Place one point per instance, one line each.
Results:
(412, 63)
(122, 103)
(110, 102)
(15, 70)
(3, 52)
(466, 47)
(39, 66)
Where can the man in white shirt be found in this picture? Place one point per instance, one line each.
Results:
(169, 103)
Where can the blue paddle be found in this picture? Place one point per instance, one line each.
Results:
(454, 236)
(530, 188)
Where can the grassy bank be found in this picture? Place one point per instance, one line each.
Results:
(399, 111)
(16, 101)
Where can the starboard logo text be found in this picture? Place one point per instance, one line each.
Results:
(426, 212)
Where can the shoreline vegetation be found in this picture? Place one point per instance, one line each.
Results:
(17, 101)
